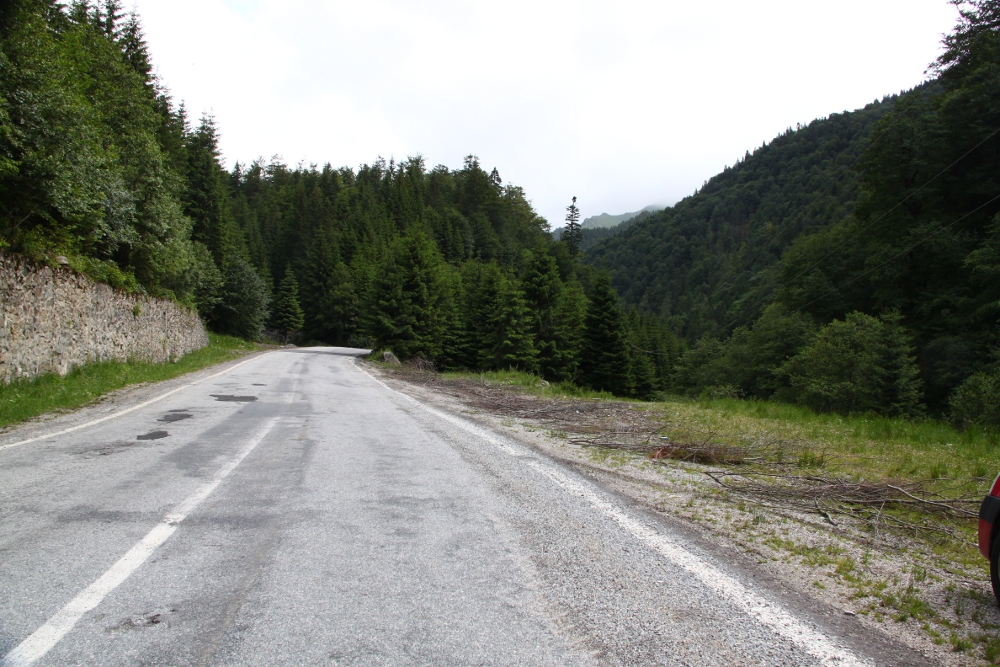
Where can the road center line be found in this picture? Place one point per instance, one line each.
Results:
(44, 638)
(126, 410)
(770, 614)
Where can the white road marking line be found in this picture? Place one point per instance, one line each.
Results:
(769, 613)
(44, 638)
(126, 410)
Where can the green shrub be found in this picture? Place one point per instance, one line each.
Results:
(860, 364)
(243, 307)
(105, 271)
(977, 401)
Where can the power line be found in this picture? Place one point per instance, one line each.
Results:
(899, 116)
(897, 205)
(860, 231)
(661, 354)
(898, 255)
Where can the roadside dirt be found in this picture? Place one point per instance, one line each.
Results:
(865, 562)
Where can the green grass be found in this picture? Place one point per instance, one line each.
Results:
(530, 384)
(863, 446)
(24, 400)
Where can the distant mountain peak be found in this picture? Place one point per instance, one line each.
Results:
(608, 220)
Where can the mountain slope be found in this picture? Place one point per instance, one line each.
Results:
(702, 262)
(606, 220)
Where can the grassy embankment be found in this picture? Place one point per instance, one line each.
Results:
(24, 400)
(860, 464)
(862, 446)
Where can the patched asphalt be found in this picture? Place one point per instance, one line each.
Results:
(363, 529)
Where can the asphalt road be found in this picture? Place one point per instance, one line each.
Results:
(293, 510)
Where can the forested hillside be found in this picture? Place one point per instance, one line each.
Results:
(101, 168)
(696, 262)
(852, 264)
(590, 236)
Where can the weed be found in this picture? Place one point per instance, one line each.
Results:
(960, 644)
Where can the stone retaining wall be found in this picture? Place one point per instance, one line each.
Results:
(52, 320)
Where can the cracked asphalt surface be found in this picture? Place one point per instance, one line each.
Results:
(305, 513)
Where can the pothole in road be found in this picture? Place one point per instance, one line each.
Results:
(259, 384)
(175, 416)
(152, 435)
(141, 621)
(229, 398)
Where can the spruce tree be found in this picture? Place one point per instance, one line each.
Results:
(573, 232)
(510, 343)
(457, 349)
(543, 291)
(406, 314)
(288, 316)
(243, 307)
(604, 359)
(571, 316)
(643, 373)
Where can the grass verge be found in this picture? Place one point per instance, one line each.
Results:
(529, 384)
(20, 401)
(861, 446)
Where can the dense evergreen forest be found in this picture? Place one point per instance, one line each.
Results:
(101, 168)
(850, 265)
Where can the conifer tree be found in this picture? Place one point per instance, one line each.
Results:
(573, 232)
(457, 349)
(206, 200)
(288, 316)
(571, 316)
(542, 291)
(510, 342)
(243, 307)
(604, 359)
(406, 313)
(643, 374)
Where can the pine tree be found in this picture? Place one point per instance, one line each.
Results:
(571, 316)
(573, 232)
(604, 359)
(510, 343)
(288, 316)
(406, 312)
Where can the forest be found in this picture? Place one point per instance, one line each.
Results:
(101, 168)
(851, 265)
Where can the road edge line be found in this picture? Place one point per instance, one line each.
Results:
(771, 614)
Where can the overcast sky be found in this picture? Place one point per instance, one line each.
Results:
(622, 104)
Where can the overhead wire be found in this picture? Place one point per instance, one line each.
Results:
(871, 144)
(879, 218)
(899, 254)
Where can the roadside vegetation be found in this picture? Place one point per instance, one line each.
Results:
(20, 401)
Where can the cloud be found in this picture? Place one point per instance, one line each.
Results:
(621, 104)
